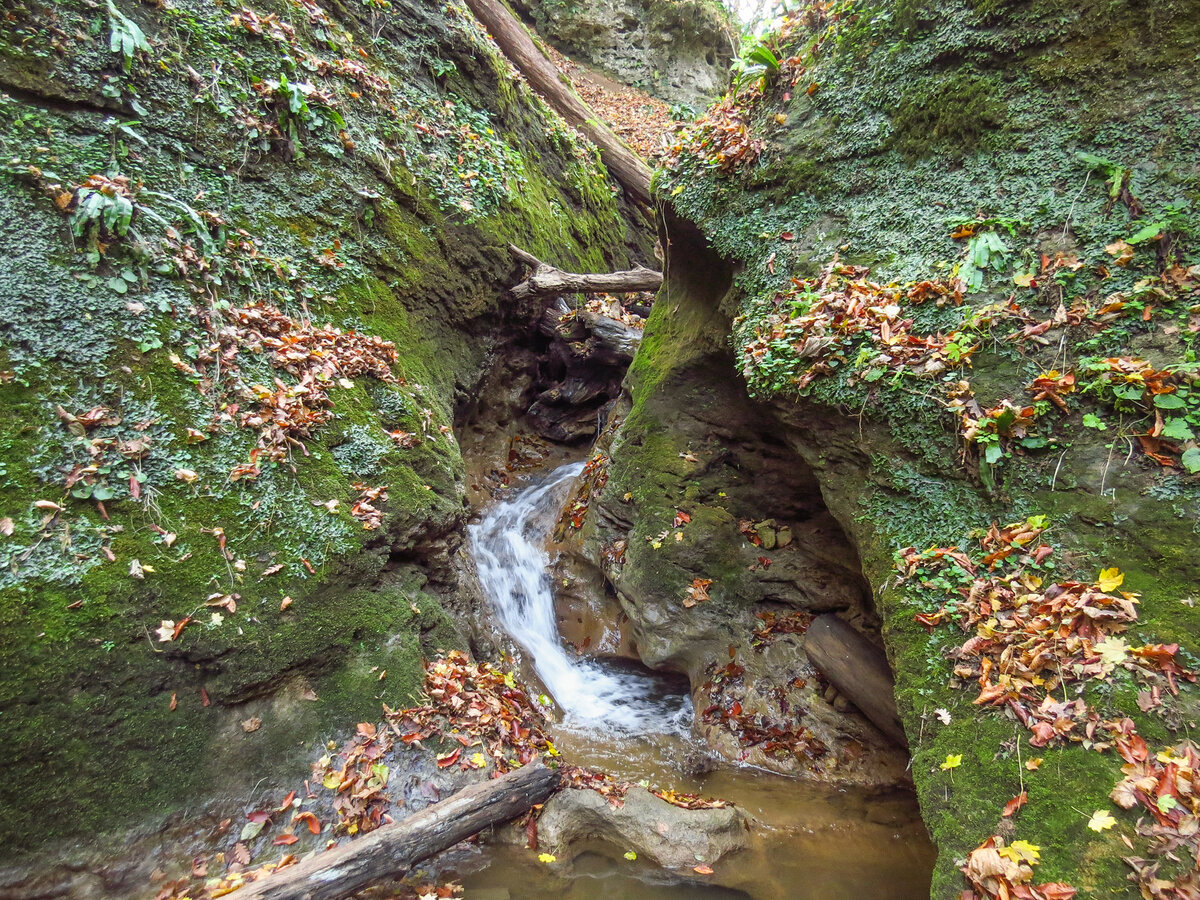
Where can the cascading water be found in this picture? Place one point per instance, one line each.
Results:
(509, 550)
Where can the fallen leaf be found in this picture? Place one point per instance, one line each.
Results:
(953, 761)
(250, 725)
(285, 602)
(1014, 804)
(702, 870)
(1101, 820)
(6, 526)
(285, 840)
(1110, 579)
(630, 855)
(174, 701)
(547, 858)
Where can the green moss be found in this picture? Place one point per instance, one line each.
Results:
(356, 237)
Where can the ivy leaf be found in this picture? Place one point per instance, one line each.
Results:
(1177, 429)
(1169, 401)
(1101, 820)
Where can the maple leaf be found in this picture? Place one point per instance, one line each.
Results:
(1110, 579)
(1022, 851)
(1101, 820)
(1113, 650)
(166, 631)
(953, 761)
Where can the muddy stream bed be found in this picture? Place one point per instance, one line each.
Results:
(807, 840)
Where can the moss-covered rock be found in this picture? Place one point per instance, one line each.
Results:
(201, 207)
(1020, 181)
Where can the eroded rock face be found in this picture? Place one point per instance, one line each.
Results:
(677, 51)
(716, 540)
(170, 283)
(649, 826)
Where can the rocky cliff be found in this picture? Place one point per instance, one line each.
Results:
(677, 50)
(253, 262)
(937, 324)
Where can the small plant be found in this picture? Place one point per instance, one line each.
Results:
(759, 63)
(125, 37)
(103, 208)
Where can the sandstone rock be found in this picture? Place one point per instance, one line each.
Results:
(667, 834)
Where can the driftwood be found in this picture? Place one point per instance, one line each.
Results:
(546, 281)
(858, 669)
(510, 35)
(391, 849)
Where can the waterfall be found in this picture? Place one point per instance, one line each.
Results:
(509, 549)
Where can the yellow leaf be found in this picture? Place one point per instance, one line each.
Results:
(1033, 764)
(478, 761)
(547, 857)
(1101, 820)
(630, 855)
(953, 761)
(1022, 851)
(1023, 280)
(1110, 579)
(1112, 650)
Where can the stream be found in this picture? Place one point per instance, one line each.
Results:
(810, 841)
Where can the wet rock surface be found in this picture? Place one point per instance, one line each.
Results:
(651, 827)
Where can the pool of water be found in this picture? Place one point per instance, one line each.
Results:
(807, 841)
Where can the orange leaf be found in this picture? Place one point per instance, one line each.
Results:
(284, 840)
(1015, 803)
(702, 870)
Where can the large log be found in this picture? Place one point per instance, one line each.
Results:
(510, 35)
(858, 669)
(391, 849)
(546, 281)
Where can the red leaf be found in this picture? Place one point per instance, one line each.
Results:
(285, 840)
(449, 759)
(287, 802)
(135, 487)
(313, 823)
(204, 697)
(1015, 803)
(260, 816)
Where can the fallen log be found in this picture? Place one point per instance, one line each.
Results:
(545, 280)
(388, 851)
(858, 669)
(512, 38)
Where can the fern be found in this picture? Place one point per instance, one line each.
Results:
(124, 36)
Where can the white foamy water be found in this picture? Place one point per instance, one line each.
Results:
(509, 550)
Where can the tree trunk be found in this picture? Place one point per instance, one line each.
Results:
(858, 669)
(391, 849)
(519, 47)
(545, 280)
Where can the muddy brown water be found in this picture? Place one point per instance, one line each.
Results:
(807, 841)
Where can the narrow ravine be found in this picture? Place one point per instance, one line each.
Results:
(808, 841)
(509, 549)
